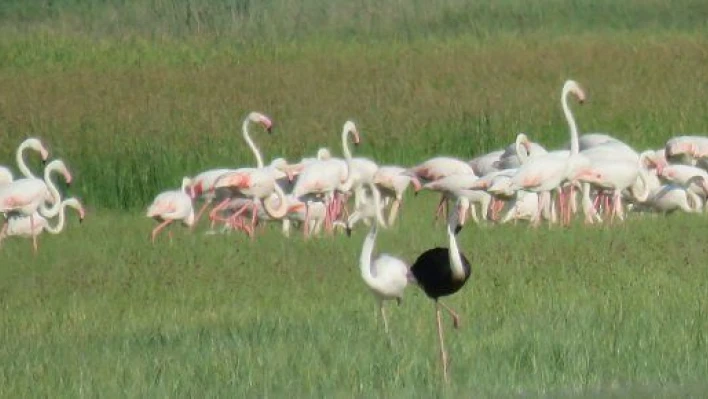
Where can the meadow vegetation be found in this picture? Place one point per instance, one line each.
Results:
(135, 95)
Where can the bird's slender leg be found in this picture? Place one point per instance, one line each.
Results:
(305, 230)
(383, 316)
(254, 215)
(3, 231)
(453, 314)
(394, 211)
(199, 214)
(213, 215)
(159, 227)
(443, 354)
(34, 236)
(439, 210)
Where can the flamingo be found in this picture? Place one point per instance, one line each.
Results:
(485, 164)
(514, 155)
(670, 197)
(437, 168)
(687, 149)
(203, 183)
(392, 183)
(441, 272)
(170, 206)
(386, 276)
(326, 177)
(256, 184)
(545, 173)
(684, 175)
(369, 207)
(19, 225)
(30, 143)
(27, 196)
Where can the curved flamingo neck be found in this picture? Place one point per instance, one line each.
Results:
(574, 145)
(247, 137)
(348, 154)
(56, 229)
(282, 209)
(458, 270)
(21, 161)
(54, 208)
(366, 252)
(520, 153)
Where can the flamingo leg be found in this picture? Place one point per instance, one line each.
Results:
(159, 227)
(443, 354)
(305, 230)
(394, 211)
(439, 210)
(199, 214)
(213, 215)
(34, 236)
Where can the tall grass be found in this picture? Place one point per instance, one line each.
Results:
(133, 98)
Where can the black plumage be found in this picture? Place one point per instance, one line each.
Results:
(433, 272)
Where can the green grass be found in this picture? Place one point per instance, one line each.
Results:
(609, 311)
(134, 95)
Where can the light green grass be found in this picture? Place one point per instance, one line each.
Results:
(606, 311)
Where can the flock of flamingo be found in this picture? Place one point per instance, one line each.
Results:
(523, 181)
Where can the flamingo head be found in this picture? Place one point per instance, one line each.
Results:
(573, 87)
(36, 144)
(76, 204)
(350, 127)
(265, 121)
(59, 165)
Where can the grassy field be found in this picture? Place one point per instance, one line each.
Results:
(135, 95)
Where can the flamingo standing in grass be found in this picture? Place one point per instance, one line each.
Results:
(545, 173)
(27, 196)
(437, 168)
(203, 183)
(327, 177)
(386, 276)
(20, 225)
(170, 206)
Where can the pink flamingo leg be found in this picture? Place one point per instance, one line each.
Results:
(159, 227)
(199, 214)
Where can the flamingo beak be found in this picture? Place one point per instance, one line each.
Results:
(82, 214)
(68, 179)
(458, 228)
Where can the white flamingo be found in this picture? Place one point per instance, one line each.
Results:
(386, 276)
(23, 226)
(170, 206)
(326, 177)
(202, 185)
(27, 196)
(545, 173)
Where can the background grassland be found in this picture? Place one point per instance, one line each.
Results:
(134, 95)
(133, 111)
